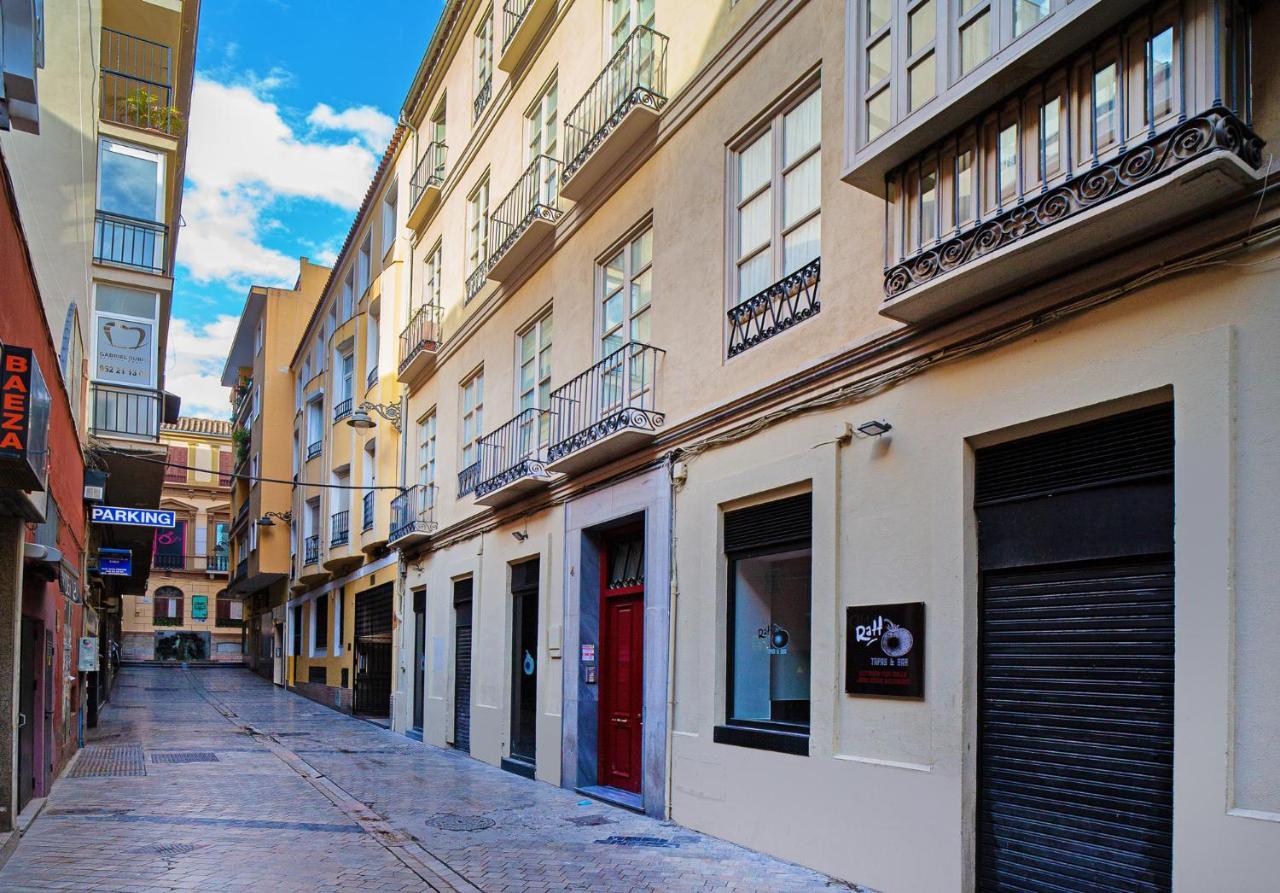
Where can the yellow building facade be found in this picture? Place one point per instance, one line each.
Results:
(186, 613)
(262, 399)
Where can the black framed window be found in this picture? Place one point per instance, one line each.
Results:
(322, 622)
(770, 610)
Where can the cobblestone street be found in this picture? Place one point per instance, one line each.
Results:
(216, 780)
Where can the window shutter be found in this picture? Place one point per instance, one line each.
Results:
(779, 523)
(177, 457)
(224, 468)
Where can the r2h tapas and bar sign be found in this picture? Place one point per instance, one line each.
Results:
(884, 650)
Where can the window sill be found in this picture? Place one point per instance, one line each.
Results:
(796, 743)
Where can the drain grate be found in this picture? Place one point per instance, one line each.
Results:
(106, 760)
(169, 849)
(621, 840)
(450, 822)
(583, 821)
(190, 756)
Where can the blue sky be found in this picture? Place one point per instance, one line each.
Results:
(293, 104)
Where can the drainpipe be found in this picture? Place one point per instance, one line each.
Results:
(671, 625)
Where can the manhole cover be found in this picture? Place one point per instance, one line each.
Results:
(619, 840)
(450, 822)
(194, 756)
(170, 849)
(104, 760)
(85, 810)
(584, 820)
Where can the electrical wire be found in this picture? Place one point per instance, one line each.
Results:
(248, 477)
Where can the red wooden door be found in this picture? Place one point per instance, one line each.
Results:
(621, 688)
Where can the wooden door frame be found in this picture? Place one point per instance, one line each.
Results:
(601, 714)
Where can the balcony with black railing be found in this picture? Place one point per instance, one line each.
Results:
(607, 411)
(366, 511)
(619, 109)
(213, 563)
(524, 222)
(483, 95)
(468, 478)
(782, 305)
(242, 569)
(419, 343)
(521, 22)
(426, 183)
(124, 412)
(311, 549)
(513, 458)
(371, 378)
(339, 529)
(314, 449)
(1145, 127)
(341, 410)
(412, 516)
(476, 279)
(135, 85)
(131, 242)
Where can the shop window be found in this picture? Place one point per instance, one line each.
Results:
(769, 553)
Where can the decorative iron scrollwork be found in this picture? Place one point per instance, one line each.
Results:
(790, 300)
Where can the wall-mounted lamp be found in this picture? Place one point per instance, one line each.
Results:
(360, 418)
(265, 520)
(520, 535)
(873, 428)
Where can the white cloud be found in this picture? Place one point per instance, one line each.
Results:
(244, 159)
(193, 367)
(365, 121)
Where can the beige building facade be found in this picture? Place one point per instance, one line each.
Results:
(838, 426)
(187, 613)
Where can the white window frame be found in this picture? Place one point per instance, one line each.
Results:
(478, 224)
(469, 451)
(390, 204)
(483, 49)
(540, 326)
(106, 144)
(364, 264)
(428, 454)
(629, 276)
(432, 276)
(153, 321)
(629, 24)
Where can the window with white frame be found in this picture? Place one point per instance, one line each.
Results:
(778, 202)
(336, 648)
(626, 281)
(472, 417)
(533, 371)
(259, 336)
(541, 130)
(478, 225)
(389, 223)
(348, 295)
(427, 457)
(624, 16)
(346, 376)
(371, 335)
(483, 62)
(364, 265)
(431, 276)
(315, 423)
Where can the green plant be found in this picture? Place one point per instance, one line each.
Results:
(241, 437)
(166, 621)
(146, 109)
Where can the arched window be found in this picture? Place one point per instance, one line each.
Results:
(168, 606)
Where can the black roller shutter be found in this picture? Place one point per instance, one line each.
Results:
(769, 524)
(462, 666)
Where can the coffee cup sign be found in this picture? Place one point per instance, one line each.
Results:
(125, 351)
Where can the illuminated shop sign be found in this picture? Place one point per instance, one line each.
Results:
(24, 420)
(110, 514)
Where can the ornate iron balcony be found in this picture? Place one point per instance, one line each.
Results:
(421, 334)
(482, 98)
(476, 280)
(515, 450)
(342, 410)
(340, 529)
(428, 173)
(311, 549)
(534, 198)
(367, 509)
(635, 75)
(513, 15)
(413, 513)
(371, 379)
(616, 394)
(130, 242)
(313, 449)
(792, 299)
(468, 478)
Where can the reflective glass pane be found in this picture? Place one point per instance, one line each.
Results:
(640, 327)
(802, 189)
(772, 617)
(754, 222)
(1104, 91)
(528, 344)
(1027, 13)
(801, 245)
(755, 165)
(964, 187)
(879, 60)
(641, 291)
(878, 13)
(975, 42)
(1162, 72)
(753, 276)
(1009, 158)
(879, 114)
(526, 376)
(613, 274)
(928, 206)
(642, 251)
(1051, 116)
(613, 311)
(924, 81)
(802, 128)
(129, 182)
(922, 27)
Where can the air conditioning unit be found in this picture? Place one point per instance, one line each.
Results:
(95, 485)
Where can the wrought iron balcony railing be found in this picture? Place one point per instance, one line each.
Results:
(340, 528)
(242, 513)
(313, 449)
(130, 242)
(513, 16)
(367, 511)
(413, 512)
(215, 562)
(219, 562)
(341, 410)
(242, 568)
(483, 95)
(135, 83)
(635, 75)
(619, 392)
(120, 411)
(468, 478)
(791, 300)
(428, 173)
(244, 397)
(421, 334)
(516, 449)
(536, 196)
(311, 549)
(371, 378)
(476, 280)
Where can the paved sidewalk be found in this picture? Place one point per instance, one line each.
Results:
(250, 787)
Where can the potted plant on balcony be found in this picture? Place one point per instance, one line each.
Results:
(240, 437)
(145, 109)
